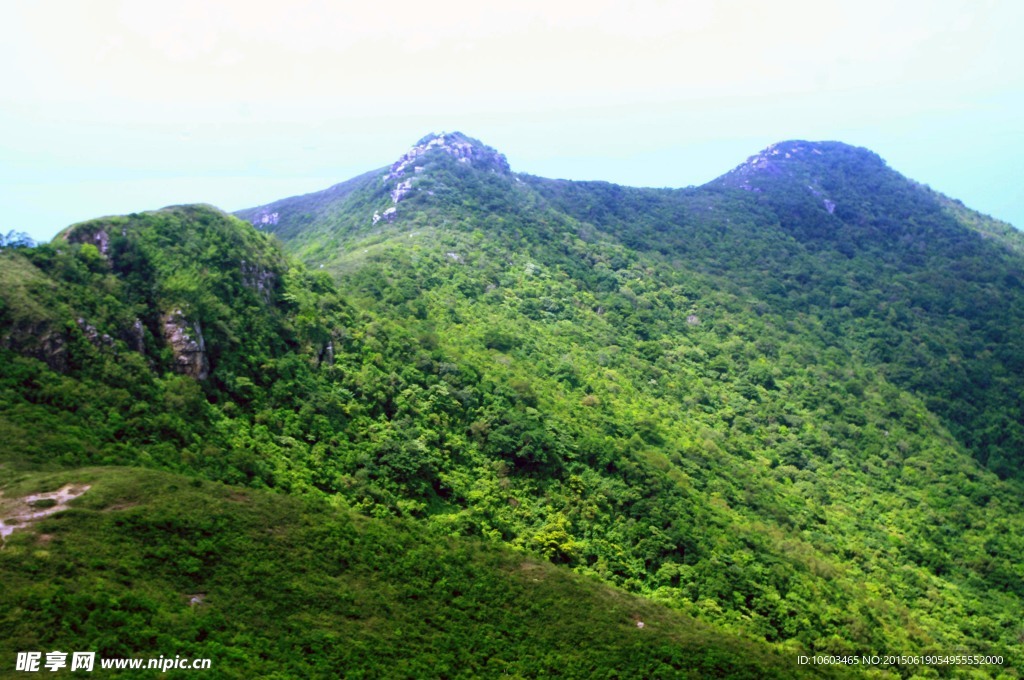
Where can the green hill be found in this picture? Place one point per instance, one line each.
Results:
(785, 403)
(147, 564)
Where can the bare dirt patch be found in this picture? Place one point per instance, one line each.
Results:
(19, 513)
(119, 506)
(534, 570)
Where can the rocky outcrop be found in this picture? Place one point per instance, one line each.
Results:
(38, 340)
(454, 144)
(97, 236)
(795, 161)
(48, 340)
(464, 149)
(186, 341)
(387, 215)
(265, 218)
(770, 163)
(258, 279)
(136, 336)
(400, 190)
(93, 335)
(326, 354)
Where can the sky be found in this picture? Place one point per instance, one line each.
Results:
(109, 107)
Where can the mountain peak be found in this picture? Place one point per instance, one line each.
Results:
(796, 159)
(817, 169)
(461, 147)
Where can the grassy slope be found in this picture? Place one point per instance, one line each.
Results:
(292, 587)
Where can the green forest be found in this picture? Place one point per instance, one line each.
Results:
(446, 420)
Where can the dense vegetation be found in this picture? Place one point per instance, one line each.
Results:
(150, 564)
(785, 403)
(899, 278)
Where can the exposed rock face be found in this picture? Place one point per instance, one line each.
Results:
(265, 218)
(38, 340)
(93, 335)
(101, 239)
(791, 160)
(186, 340)
(49, 341)
(400, 190)
(23, 512)
(326, 355)
(52, 349)
(97, 237)
(456, 145)
(387, 215)
(464, 149)
(258, 279)
(136, 337)
(770, 162)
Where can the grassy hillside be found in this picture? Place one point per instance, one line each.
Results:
(146, 564)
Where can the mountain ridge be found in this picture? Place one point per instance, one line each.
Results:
(780, 160)
(833, 199)
(783, 421)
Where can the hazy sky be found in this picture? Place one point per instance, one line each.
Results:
(111, 107)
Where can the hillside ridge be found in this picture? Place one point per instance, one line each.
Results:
(794, 424)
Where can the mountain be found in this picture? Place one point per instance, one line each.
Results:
(162, 340)
(900, 277)
(819, 228)
(436, 168)
(785, 403)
